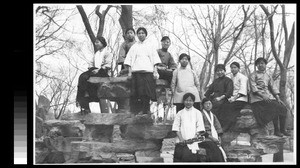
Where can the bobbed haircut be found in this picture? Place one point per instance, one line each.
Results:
(258, 60)
(143, 29)
(204, 100)
(187, 95)
(165, 38)
(220, 66)
(184, 55)
(102, 40)
(130, 28)
(236, 64)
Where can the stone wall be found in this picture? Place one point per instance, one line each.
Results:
(136, 138)
(122, 137)
(247, 142)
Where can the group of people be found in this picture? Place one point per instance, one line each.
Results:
(215, 114)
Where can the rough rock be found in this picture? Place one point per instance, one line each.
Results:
(124, 146)
(39, 127)
(239, 153)
(147, 153)
(114, 88)
(139, 131)
(269, 144)
(149, 159)
(67, 128)
(101, 133)
(108, 119)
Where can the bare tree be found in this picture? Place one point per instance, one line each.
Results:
(289, 44)
(125, 19)
(101, 16)
(50, 25)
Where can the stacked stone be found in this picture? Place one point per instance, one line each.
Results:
(140, 138)
(136, 138)
(55, 144)
(246, 141)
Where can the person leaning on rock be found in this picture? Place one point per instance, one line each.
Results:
(265, 101)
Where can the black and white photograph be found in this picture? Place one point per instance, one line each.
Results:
(164, 84)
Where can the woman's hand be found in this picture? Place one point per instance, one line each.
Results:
(278, 99)
(219, 98)
(266, 98)
(156, 75)
(95, 71)
(129, 75)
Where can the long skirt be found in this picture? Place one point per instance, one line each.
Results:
(217, 106)
(183, 154)
(229, 113)
(265, 112)
(143, 89)
(213, 154)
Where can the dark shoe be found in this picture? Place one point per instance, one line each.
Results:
(285, 133)
(282, 120)
(279, 134)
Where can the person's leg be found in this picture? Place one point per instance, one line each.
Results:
(135, 105)
(177, 157)
(84, 104)
(276, 127)
(145, 101)
(213, 153)
(229, 113)
(282, 122)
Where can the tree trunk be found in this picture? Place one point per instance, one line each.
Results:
(101, 19)
(125, 19)
(289, 44)
(86, 24)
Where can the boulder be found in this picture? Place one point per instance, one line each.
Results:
(141, 131)
(123, 146)
(67, 128)
(115, 88)
(269, 144)
(240, 153)
(109, 118)
(101, 133)
(149, 159)
(39, 127)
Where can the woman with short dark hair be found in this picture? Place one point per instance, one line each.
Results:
(168, 65)
(239, 99)
(126, 45)
(187, 123)
(141, 60)
(185, 80)
(265, 101)
(220, 90)
(99, 67)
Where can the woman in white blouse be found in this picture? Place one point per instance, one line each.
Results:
(100, 65)
(141, 60)
(237, 101)
(187, 123)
